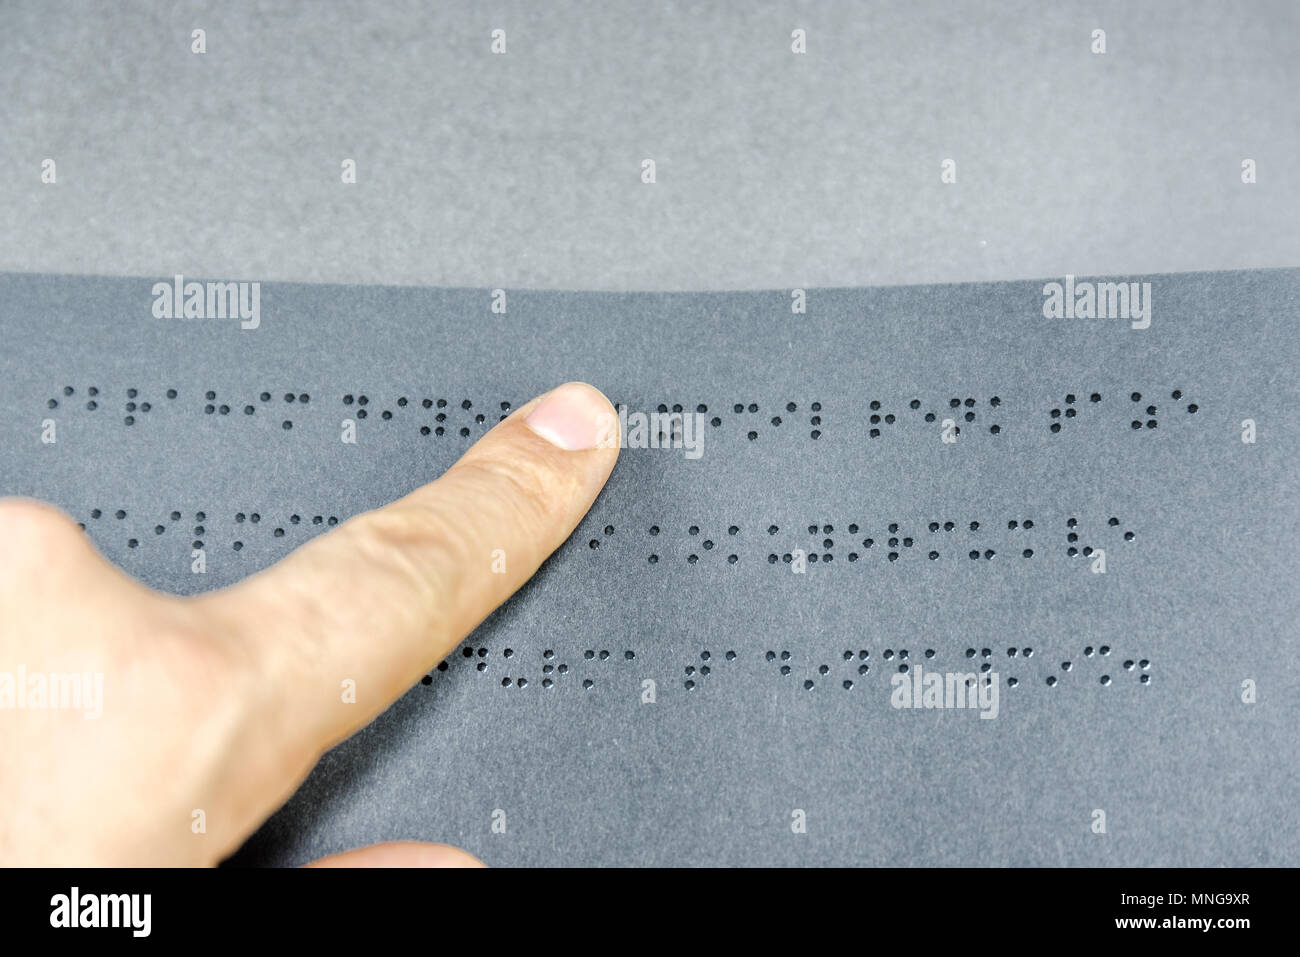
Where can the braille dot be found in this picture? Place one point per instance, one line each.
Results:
(816, 406)
(1105, 679)
(130, 407)
(266, 397)
(224, 410)
(363, 400)
(286, 425)
(92, 405)
(209, 395)
(1192, 408)
(386, 415)
(1136, 397)
(1051, 681)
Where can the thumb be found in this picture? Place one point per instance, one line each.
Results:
(401, 854)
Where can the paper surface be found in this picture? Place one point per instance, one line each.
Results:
(1204, 592)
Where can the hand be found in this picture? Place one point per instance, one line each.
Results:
(221, 704)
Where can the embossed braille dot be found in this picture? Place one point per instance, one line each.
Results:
(1105, 679)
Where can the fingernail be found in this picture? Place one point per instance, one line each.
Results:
(573, 417)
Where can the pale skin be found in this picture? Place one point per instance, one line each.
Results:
(222, 703)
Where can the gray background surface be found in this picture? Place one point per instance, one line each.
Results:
(523, 169)
(775, 171)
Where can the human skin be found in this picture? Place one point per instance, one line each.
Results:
(223, 702)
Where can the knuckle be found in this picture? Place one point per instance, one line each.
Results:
(531, 487)
(36, 534)
(412, 542)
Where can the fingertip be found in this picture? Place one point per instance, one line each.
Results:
(575, 417)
